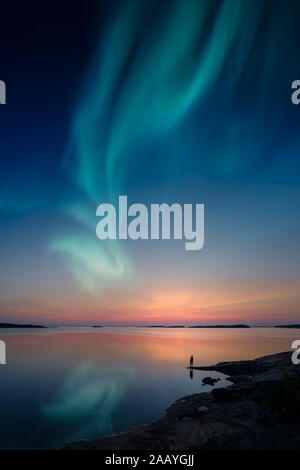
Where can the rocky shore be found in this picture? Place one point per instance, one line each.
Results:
(260, 409)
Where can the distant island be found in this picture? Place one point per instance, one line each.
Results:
(160, 326)
(16, 325)
(220, 326)
(175, 326)
(288, 326)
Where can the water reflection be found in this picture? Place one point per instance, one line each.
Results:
(89, 397)
(65, 384)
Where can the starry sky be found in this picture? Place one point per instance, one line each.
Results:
(163, 101)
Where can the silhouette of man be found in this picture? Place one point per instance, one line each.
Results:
(191, 361)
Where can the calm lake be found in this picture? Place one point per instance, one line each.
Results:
(65, 384)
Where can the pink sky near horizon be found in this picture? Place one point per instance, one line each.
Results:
(163, 289)
(189, 306)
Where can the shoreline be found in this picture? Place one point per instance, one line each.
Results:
(258, 410)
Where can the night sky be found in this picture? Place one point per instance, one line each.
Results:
(164, 101)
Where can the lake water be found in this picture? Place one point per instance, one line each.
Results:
(64, 384)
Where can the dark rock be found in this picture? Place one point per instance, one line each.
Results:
(235, 368)
(239, 378)
(209, 381)
(222, 394)
(189, 406)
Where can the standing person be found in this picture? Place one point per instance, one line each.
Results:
(191, 361)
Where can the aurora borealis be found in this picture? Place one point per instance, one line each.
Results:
(164, 101)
